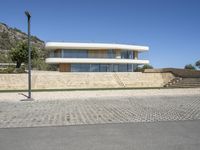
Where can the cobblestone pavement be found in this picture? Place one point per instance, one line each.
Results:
(94, 110)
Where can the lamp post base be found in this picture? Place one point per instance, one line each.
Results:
(27, 99)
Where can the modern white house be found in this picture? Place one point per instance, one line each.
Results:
(95, 57)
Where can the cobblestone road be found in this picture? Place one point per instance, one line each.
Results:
(99, 110)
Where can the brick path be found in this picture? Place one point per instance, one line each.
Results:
(99, 110)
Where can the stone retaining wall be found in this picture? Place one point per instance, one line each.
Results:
(61, 80)
(185, 73)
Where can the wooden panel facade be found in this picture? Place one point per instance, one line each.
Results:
(65, 67)
(97, 54)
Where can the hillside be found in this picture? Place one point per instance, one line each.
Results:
(8, 39)
(10, 36)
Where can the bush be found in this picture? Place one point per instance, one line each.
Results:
(141, 69)
(1, 70)
(10, 69)
(147, 67)
(4, 58)
(7, 70)
(13, 70)
(190, 66)
(20, 70)
(40, 64)
(198, 64)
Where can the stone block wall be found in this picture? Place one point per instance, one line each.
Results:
(69, 80)
(184, 73)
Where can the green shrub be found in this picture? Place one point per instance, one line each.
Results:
(198, 64)
(4, 58)
(190, 66)
(141, 69)
(10, 69)
(147, 67)
(40, 64)
(20, 70)
(1, 70)
(138, 69)
(7, 70)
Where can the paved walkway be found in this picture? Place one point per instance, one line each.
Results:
(94, 107)
(181, 135)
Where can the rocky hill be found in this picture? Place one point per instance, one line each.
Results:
(10, 36)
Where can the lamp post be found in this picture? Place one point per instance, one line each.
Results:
(29, 56)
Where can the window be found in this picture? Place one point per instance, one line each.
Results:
(80, 67)
(103, 67)
(124, 54)
(51, 54)
(111, 53)
(122, 68)
(127, 54)
(130, 54)
(115, 68)
(94, 67)
(75, 54)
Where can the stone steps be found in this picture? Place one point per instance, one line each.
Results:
(184, 82)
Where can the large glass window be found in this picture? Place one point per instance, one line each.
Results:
(80, 67)
(130, 55)
(94, 67)
(122, 68)
(90, 54)
(103, 67)
(124, 54)
(115, 68)
(75, 54)
(111, 53)
(110, 68)
(51, 54)
(129, 67)
(127, 54)
(55, 54)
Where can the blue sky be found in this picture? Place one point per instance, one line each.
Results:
(171, 28)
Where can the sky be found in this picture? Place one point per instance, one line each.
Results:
(171, 28)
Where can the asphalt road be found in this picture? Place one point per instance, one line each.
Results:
(177, 135)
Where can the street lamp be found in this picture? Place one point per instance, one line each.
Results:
(29, 56)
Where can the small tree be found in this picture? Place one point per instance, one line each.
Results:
(19, 54)
(190, 66)
(138, 69)
(198, 64)
(141, 69)
(147, 67)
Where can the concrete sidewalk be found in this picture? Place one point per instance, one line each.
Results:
(80, 95)
(180, 135)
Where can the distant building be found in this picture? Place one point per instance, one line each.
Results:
(94, 57)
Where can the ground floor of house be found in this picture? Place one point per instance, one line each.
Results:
(66, 67)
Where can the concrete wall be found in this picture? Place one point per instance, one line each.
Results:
(185, 73)
(64, 80)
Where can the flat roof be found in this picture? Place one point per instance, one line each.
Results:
(93, 46)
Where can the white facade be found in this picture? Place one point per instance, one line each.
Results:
(94, 46)
(68, 54)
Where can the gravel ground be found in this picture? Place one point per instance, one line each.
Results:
(93, 107)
